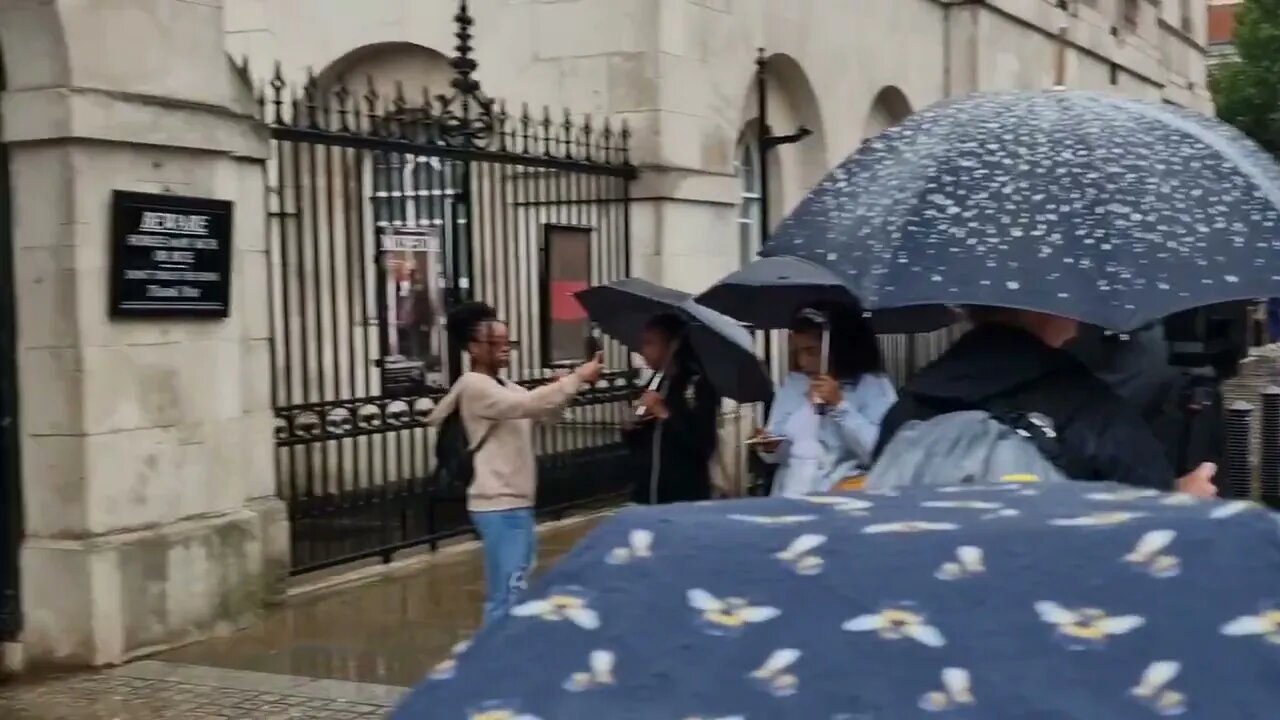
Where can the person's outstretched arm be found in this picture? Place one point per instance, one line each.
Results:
(488, 399)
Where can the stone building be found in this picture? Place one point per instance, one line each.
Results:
(145, 463)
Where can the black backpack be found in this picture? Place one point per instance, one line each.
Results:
(455, 458)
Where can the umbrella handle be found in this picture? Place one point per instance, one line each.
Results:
(824, 366)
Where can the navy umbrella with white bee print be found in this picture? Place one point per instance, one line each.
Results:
(1109, 210)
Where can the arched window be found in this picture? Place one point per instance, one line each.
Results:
(751, 196)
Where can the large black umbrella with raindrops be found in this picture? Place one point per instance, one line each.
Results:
(769, 292)
(1109, 210)
(623, 307)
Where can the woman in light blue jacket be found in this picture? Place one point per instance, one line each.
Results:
(822, 429)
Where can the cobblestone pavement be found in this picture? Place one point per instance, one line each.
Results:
(150, 690)
(345, 655)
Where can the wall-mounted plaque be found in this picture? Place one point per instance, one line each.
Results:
(170, 256)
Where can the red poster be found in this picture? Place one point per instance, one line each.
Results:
(564, 306)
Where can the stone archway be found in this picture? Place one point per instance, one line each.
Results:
(792, 103)
(889, 108)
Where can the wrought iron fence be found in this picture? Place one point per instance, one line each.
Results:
(386, 211)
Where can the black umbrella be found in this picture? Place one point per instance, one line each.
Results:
(1109, 210)
(769, 292)
(724, 348)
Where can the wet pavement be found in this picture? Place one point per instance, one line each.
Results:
(343, 655)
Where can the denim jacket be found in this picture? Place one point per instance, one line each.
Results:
(820, 450)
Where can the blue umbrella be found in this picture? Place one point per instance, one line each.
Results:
(623, 307)
(1001, 602)
(1109, 210)
(769, 292)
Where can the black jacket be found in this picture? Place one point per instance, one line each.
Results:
(685, 443)
(1139, 371)
(1003, 369)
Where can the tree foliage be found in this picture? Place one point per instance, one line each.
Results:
(1247, 90)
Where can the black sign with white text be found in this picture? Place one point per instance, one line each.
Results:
(170, 255)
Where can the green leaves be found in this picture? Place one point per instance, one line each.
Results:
(1247, 90)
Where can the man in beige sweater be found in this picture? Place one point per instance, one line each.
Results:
(498, 417)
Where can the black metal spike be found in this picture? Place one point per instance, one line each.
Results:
(546, 130)
(625, 142)
(342, 95)
(398, 115)
(526, 121)
(567, 126)
(309, 92)
(606, 140)
(277, 94)
(586, 138)
(372, 106)
(464, 66)
(500, 119)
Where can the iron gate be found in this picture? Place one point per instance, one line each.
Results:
(383, 212)
(10, 467)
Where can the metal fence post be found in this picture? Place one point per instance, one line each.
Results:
(1269, 439)
(1238, 479)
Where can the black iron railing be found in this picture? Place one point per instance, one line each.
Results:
(386, 211)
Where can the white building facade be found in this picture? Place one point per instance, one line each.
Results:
(146, 465)
(681, 73)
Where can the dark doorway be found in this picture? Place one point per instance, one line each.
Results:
(10, 480)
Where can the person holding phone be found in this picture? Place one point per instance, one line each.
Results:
(672, 437)
(498, 417)
(823, 426)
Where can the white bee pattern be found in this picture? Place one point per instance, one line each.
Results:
(773, 675)
(963, 504)
(1151, 689)
(1231, 509)
(1086, 628)
(1266, 623)
(957, 690)
(1146, 555)
(798, 555)
(908, 526)
(1125, 495)
(901, 620)
(841, 503)
(1101, 519)
(448, 667)
(969, 562)
(776, 520)
(727, 616)
(639, 546)
(600, 665)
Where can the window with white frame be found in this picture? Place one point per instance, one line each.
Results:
(751, 196)
(415, 190)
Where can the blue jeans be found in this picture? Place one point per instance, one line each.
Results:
(510, 547)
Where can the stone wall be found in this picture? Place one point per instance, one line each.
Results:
(148, 474)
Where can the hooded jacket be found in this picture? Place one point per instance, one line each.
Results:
(1001, 369)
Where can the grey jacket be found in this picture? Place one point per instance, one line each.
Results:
(957, 448)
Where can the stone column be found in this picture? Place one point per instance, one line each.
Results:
(147, 452)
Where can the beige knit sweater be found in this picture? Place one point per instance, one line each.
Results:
(505, 466)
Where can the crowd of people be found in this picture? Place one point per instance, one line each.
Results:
(831, 416)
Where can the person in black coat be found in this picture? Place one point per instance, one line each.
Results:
(1012, 362)
(673, 443)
